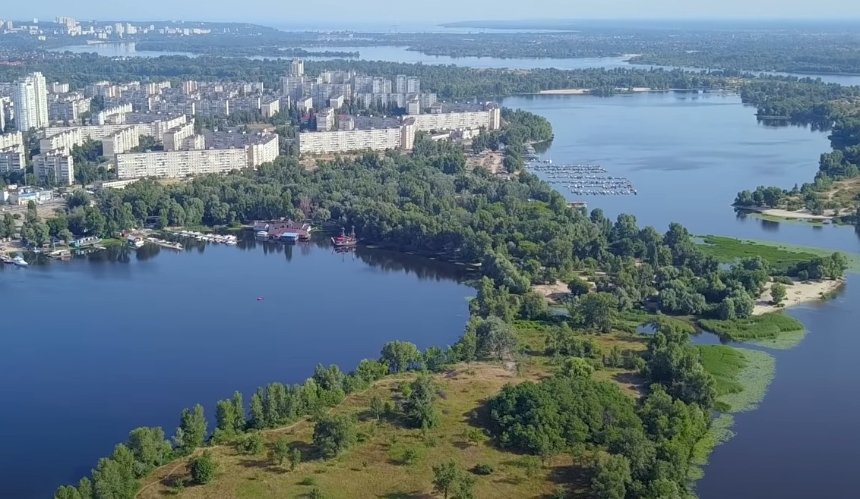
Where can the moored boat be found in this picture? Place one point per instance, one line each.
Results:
(19, 261)
(344, 240)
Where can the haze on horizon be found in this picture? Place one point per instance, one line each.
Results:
(379, 12)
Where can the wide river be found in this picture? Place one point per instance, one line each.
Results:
(687, 155)
(93, 348)
(402, 54)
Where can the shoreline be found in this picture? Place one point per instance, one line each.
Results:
(798, 293)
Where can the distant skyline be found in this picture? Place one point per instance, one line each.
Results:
(340, 13)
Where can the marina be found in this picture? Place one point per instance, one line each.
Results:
(582, 179)
(227, 239)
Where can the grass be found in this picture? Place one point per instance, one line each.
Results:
(756, 328)
(719, 432)
(742, 375)
(779, 256)
(376, 466)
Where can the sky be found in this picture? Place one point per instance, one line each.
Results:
(406, 12)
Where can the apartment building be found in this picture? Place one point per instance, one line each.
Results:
(12, 157)
(175, 164)
(54, 167)
(64, 140)
(174, 138)
(120, 141)
(31, 102)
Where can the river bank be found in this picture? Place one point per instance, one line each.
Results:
(798, 293)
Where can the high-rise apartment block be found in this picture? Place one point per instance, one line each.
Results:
(31, 102)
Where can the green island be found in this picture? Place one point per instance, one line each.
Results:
(538, 397)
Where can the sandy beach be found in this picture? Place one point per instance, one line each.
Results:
(792, 215)
(565, 91)
(798, 293)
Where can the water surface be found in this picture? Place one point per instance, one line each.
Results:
(91, 349)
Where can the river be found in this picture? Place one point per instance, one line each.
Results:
(688, 154)
(95, 347)
(403, 54)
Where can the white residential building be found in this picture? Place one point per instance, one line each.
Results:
(353, 140)
(12, 157)
(120, 141)
(54, 167)
(31, 102)
(325, 120)
(179, 163)
(174, 138)
(65, 140)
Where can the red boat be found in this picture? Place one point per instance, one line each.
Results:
(345, 241)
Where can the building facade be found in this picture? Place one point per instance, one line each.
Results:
(31, 102)
(12, 157)
(179, 163)
(54, 167)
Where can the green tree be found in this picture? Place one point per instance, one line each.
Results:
(419, 405)
(252, 444)
(377, 407)
(611, 478)
(495, 338)
(203, 468)
(595, 311)
(191, 433)
(778, 293)
(400, 355)
(533, 306)
(333, 435)
(150, 449)
(281, 450)
(578, 286)
(445, 477)
(114, 477)
(295, 458)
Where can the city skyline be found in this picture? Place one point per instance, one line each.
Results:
(339, 13)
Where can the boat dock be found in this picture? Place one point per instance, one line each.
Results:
(582, 179)
(165, 244)
(227, 239)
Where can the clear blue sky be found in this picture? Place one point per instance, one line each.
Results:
(412, 12)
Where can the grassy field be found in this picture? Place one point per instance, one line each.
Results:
(756, 328)
(779, 256)
(375, 467)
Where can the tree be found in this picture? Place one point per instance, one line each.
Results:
(400, 355)
(578, 286)
(191, 433)
(150, 449)
(377, 407)
(281, 450)
(533, 306)
(445, 477)
(203, 468)
(333, 435)
(418, 406)
(252, 444)
(230, 416)
(611, 478)
(595, 311)
(496, 339)
(778, 293)
(114, 477)
(295, 458)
